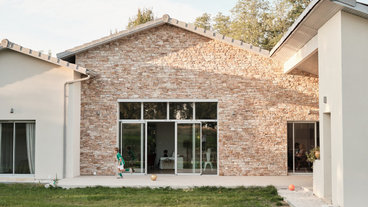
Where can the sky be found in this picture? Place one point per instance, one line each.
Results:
(58, 25)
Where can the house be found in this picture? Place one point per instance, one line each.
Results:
(34, 89)
(177, 99)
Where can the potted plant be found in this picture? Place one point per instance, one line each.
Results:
(313, 155)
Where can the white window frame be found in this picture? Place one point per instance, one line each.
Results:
(168, 101)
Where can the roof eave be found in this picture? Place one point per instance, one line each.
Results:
(294, 26)
(6, 44)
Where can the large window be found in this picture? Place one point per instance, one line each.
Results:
(169, 136)
(17, 147)
(302, 137)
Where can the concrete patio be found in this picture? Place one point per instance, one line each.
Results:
(186, 181)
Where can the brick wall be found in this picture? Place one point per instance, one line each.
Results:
(255, 98)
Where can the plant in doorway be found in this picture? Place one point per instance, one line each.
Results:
(313, 155)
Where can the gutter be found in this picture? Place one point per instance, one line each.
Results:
(64, 124)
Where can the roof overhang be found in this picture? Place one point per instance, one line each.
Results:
(6, 44)
(307, 24)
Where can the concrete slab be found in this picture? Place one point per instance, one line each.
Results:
(301, 197)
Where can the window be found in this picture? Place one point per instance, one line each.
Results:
(206, 110)
(179, 110)
(130, 110)
(155, 110)
(17, 147)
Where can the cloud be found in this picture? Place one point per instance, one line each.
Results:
(60, 25)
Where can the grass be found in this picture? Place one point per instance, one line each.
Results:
(37, 195)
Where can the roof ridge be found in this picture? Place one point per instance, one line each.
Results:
(166, 19)
(5, 43)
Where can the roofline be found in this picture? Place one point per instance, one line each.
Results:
(352, 5)
(294, 26)
(6, 44)
(164, 20)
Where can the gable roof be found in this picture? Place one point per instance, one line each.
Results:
(6, 44)
(166, 19)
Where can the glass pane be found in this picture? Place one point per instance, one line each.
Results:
(132, 146)
(181, 110)
(290, 146)
(188, 145)
(130, 110)
(21, 157)
(155, 110)
(304, 142)
(318, 134)
(6, 148)
(206, 110)
(209, 147)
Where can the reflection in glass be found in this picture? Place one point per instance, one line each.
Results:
(188, 145)
(6, 148)
(181, 110)
(130, 110)
(206, 110)
(132, 146)
(209, 147)
(155, 110)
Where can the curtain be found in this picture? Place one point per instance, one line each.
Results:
(30, 135)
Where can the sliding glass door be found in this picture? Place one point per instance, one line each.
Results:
(17, 147)
(302, 137)
(188, 148)
(132, 145)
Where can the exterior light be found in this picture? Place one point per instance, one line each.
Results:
(325, 99)
(11, 110)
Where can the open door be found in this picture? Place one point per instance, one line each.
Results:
(188, 141)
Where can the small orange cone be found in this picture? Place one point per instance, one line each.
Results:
(291, 187)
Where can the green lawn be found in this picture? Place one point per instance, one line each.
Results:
(37, 195)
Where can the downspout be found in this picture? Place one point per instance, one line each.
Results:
(64, 124)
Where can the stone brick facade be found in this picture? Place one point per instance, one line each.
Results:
(256, 99)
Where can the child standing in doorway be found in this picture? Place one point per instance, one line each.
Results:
(121, 164)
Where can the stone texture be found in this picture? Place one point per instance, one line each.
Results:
(255, 98)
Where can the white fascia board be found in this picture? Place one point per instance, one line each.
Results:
(303, 54)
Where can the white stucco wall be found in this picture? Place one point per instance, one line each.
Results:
(330, 66)
(343, 72)
(354, 32)
(34, 89)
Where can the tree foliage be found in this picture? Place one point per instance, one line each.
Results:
(203, 21)
(143, 16)
(258, 22)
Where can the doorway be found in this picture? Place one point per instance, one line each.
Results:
(160, 147)
(301, 138)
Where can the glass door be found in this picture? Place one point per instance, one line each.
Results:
(188, 136)
(132, 145)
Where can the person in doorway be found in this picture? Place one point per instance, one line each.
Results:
(121, 163)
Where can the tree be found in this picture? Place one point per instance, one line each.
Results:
(203, 21)
(143, 16)
(222, 24)
(258, 22)
(250, 19)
